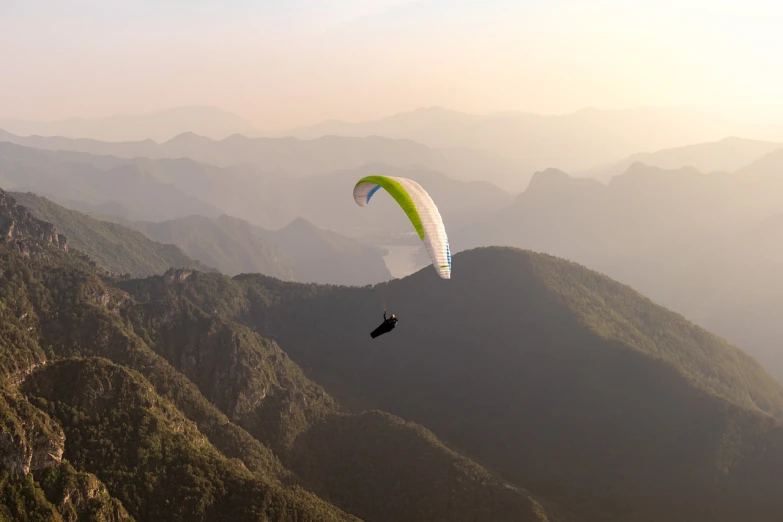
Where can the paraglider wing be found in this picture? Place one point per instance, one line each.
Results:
(419, 208)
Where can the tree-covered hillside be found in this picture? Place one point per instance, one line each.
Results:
(168, 410)
(113, 247)
(559, 378)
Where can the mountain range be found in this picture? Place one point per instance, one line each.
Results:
(705, 245)
(728, 155)
(576, 141)
(505, 148)
(568, 384)
(291, 157)
(119, 186)
(143, 189)
(120, 403)
(677, 234)
(299, 252)
(158, 126)
(194, 396)
(113, 247)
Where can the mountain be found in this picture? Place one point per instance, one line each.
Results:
(299, 252)
(182, 187)
(57, 494)
(201, 397)
(273, 201)
(319, 200)
(158, 126)
(727, 155)
(762, 184)
(113, 247)
(644, 211)
(48, 174)
(226, 243)
(124, 400)
(556, 376)
(405, 123)
(559, 378)
(575, 141)
(321, 256)
(696, 243)
(290, 157)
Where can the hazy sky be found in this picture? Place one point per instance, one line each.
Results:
(282, 63)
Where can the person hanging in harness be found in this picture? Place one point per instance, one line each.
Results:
(386, 326)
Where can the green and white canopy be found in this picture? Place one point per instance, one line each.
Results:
(419, 208)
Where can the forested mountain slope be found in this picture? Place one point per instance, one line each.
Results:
(563, 380)
(185, 414)
(113, 247)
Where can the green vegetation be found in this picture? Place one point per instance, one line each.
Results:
(370, 445)
(564, 381)
(192, 396)
(299, 252)
(115, 248)
(57, 494)
(616, 312)
(156, 461)
(167, 407)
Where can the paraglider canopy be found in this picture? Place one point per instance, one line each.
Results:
(421, 211)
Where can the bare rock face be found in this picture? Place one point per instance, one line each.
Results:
(29, 439)
(80, 496)
(18, 223)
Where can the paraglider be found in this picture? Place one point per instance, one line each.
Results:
(421, 211)
(386, 326)
(423, 215)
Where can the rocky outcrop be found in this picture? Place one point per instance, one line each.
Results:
(78, 496)
(17, 224)
(29, 439)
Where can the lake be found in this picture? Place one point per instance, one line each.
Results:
(400, 260)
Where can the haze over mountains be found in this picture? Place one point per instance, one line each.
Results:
(153, 391)
(298, 252)
(503, 148)
(552, 374)
(192, 280)
(211, 122)
(297, 158)
(163, 189)
(656, 229)
(121, 185)
(251, 397)
(702, 244)
(575, 141)
(729, 154)
(113, 247)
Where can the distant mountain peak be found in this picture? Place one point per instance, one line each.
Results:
(554, 180)
(550, 173)
(640, 169)
(300, 224)
(187, 136)
(158, 126)
(236, 138)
